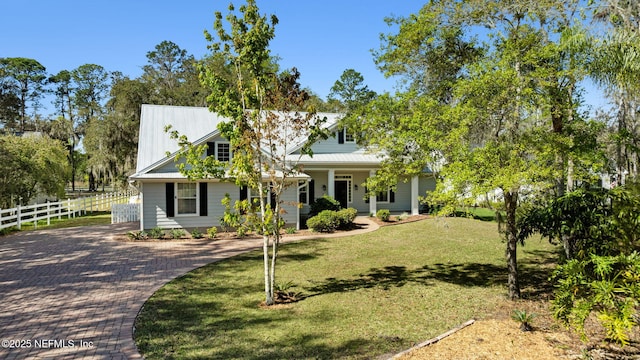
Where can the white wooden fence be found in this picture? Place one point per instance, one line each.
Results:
(57, 210)
(125, 213)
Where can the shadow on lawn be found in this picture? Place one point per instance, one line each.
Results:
(307, 346)
(533, 275)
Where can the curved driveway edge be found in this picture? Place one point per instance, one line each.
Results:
(74, 293)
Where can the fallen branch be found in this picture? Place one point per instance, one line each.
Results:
(434, 340)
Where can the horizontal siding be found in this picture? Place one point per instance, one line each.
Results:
(289, 200)
(331, 145)
(427, 184)
(170, 166)
(358, 196)
(154, 207)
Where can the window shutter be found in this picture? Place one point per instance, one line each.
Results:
(366, 199)
(341, 137)
(244, 193)
(211, 148)
(312, 192)
(169, 194)
(203, 199)
(392, 196)
(272, 200)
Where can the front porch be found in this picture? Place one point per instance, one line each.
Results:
(347, 187)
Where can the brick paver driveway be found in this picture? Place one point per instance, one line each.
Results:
(74, 293)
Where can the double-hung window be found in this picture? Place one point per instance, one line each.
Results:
(387, 196)
(187, 198)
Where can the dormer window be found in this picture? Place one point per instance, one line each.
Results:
(220, 149)
(345, 136)
(348, 136)
(223, 151)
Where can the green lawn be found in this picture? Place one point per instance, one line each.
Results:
(365, 295)
(97, 218)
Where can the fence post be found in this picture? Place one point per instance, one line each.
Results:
(18, 217)
(68, 208)
(48, 213)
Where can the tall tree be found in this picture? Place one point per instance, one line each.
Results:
(92, 84)
(351, 90)
(9, 105)
(263, 123)
(25, 78)
(615, 65)
(29, 166)
(123, 122)
(66, 127)
(173, 74)
(481, 116)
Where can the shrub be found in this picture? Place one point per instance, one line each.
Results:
(177, 233)
(604, 285)
(403, 216)
(383, 214)
(242, 231)
(291, 230)
(324, 203)
(196, 233)
(325, 221)
(212, 232)
(524, 318)
(137, 235)
(345, 217)
(156, 233)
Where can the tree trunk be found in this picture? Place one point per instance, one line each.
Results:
(268, 289)
(274, 254)
(511, 201)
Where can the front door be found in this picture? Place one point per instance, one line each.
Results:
(342, 192)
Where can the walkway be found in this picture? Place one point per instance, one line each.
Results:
(74, 293)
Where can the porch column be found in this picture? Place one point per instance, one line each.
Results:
(298, 199)
(372, 198)
(331, 188)
(415, 205)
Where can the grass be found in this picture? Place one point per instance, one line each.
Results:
(97, 218)
(364, 295)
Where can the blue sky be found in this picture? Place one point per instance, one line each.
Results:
(320, 38)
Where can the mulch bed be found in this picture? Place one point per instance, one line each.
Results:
(230, 235)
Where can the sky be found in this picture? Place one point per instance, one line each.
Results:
(320, 38)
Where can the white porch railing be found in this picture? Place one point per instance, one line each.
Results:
(57, 210)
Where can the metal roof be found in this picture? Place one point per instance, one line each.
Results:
(154, 142)
(361, 158)
(198, 124)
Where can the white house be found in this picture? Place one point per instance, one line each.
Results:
(338, 168)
